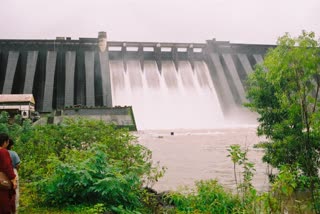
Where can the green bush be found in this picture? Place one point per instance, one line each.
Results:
(88, 177)
(207, 197)
(81, 162)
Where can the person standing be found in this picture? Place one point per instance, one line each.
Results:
(15, 159)
(7, 169)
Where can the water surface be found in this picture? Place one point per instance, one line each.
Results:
(191, 155)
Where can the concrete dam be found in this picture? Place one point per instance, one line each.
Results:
(169, 85)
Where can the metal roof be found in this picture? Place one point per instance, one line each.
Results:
(10, 98)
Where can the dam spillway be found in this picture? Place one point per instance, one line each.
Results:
(171, 98)
(172, 85)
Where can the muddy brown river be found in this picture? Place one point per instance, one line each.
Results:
(192, 155)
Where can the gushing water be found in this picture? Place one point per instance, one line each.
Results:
(167, 99)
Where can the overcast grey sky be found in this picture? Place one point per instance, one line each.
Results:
(242, 21)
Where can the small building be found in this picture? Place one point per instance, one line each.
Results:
(14, 104)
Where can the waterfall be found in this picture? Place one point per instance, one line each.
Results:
(166, 99)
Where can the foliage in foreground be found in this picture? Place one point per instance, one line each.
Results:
(91, 174)
(82, 163)
(207, 197)
(285, 92)
(210, 197)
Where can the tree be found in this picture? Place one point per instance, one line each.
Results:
(284, 91)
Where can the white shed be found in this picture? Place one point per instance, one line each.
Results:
(21, 103)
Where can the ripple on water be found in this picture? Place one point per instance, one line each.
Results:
(191, 155)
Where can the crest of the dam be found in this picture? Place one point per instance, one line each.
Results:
(192, 82)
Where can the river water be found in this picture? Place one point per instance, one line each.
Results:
(192, 155)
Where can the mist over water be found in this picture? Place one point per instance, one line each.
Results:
(170, 98)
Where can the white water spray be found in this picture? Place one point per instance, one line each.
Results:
(170, 99)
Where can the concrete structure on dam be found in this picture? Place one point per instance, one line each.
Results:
(66, 72)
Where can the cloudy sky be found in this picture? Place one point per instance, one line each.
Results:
(237, 21)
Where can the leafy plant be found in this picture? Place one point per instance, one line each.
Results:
(207, 197)
(284, 91)
(82, 162)
(235, 154)
(239, 157)
(248, 192)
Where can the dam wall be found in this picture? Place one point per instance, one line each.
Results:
(92, 71)
(59, 73)
(229, 66)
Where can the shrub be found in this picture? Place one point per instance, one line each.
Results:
(84, 162)
(207, 197)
